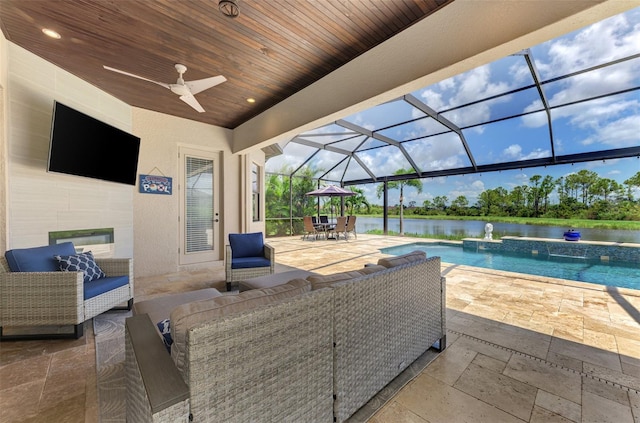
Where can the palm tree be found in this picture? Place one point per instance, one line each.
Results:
(357, 201)
(415, 183)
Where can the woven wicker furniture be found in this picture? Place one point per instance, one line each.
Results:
(315, 357)
(242, 261)
(56, 298)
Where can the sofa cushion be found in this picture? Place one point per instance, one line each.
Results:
(102, 285)
(250, 262)
(274, 279)
(323, 281)
(160, 308)
(403, 259)
(198, 313)
(246, 245)
(38, 259)
(373, 268)
(83, 262)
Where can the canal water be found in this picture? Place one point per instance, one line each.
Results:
(475, 229)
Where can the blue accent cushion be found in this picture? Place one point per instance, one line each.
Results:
(38, 259)
(164, 326)
(246, 245)
(250, 262)
(102, 285)
(83, 262)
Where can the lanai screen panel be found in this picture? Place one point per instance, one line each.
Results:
(484, 82)
(510, 140)
(438, 153)
(328, 134)
(578, 94)
(600, 43)
(385, 115)
(423, 127)
(611, 79)
(601, 124)
(354, 171)
(352, 143)
(385, 160)
(322, 162)
(498, 108)
(293, 157)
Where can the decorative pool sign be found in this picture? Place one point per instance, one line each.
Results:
(155, 184)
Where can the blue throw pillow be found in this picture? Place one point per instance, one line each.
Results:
(84, 263)
(246, 245)
(164, 326)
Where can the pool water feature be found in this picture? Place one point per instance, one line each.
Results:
(618, 274)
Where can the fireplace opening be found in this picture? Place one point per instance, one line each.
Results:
(98, 241)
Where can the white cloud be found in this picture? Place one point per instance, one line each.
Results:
(606, 118)
(601, 42)
(620, 133)
(470, 191)
(513, 151)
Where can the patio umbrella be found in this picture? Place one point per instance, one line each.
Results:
(331, 191)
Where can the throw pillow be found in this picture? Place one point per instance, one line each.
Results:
(83, 262)
(164, 326)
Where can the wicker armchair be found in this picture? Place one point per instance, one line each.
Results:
(56, 298)
(247, 256)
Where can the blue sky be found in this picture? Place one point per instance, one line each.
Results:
(599, 124)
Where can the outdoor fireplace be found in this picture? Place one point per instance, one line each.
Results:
(99, 241)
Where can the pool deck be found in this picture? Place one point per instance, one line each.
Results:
(520, 348)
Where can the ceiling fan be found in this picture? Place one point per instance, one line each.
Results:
(185, 89)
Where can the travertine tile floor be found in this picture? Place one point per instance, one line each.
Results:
(520, 348)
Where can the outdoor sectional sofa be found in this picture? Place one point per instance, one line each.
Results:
(303, 350)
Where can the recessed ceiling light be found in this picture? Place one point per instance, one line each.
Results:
(51, 33)
(251, 100)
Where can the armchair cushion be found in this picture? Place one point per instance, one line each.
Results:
(250, 262)
(102, 285)
(247, 245)
(38, 259)
(83, 262)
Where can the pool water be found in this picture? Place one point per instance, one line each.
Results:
(619, 274)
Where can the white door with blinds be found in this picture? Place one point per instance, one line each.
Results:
(199, 206)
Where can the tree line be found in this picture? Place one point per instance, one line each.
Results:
(581, 195)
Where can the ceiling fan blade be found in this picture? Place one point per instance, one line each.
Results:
(191, 101)
(200, 85)
(162, 84)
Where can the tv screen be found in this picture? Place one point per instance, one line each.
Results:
(84, 146)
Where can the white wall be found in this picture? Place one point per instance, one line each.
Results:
(38, 201)
(155, 222)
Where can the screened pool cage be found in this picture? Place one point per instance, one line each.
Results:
(569, 100)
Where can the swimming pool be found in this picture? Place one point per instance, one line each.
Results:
(620, 274)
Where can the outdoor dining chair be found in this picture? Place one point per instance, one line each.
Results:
(340, 227)
(351, 226)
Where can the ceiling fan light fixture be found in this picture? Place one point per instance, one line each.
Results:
(229, 8)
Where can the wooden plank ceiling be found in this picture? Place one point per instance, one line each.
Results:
(273, 49)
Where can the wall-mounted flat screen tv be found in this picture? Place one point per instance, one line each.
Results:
(84, 146)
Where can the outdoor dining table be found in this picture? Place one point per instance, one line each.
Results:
(325, 227)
